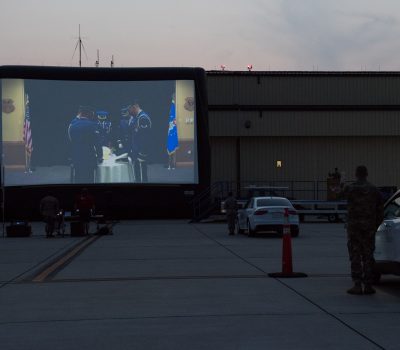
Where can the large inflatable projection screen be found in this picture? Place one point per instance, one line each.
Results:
(98, 132)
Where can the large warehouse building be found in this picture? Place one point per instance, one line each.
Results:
(293, 128)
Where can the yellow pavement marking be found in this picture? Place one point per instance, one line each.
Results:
(44, 274)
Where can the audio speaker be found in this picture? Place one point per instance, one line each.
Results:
(19, 229)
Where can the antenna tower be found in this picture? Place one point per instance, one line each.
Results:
(98, 59)
(79, 44)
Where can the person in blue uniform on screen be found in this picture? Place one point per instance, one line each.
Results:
(140, 126)
(85, 150)
(104, 128)
(124, 136)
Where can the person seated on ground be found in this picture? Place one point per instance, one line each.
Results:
(49, 208)
(85, 205)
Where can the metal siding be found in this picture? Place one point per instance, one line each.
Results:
(310, 143)
(312, 158)
(304, 90)
(223, 159)
(259, 156)
(305, 123)
(222, 91)
(223, 123)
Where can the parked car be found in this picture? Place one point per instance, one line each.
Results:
(267, 214)
(387, 240)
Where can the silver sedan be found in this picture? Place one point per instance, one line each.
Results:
(267, 214)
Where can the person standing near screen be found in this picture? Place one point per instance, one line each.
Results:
(140, 126)
(86, 151)
(85, 206)
(49, 208)
(231, 207)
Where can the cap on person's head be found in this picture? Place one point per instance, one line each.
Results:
(361, 171)
(86, 110)
(102, 115)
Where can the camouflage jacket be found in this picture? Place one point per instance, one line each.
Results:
(364, 205)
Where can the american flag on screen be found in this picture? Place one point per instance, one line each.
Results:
(27, 128)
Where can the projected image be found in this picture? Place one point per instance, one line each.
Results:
(95, 132)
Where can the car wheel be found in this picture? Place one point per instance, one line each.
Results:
(250, 232)
(238, 229)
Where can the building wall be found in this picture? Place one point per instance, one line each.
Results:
(311, 122)
(304, 88)
(311, 158)
(223, 159)
(305, 123)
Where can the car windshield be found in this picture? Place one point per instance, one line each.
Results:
(392, 210)
(273, 202)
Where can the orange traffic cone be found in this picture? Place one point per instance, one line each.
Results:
(287, 264)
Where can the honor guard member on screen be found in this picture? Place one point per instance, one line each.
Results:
(104, 128)
(85, 150)
(124, 142)
(140, 126)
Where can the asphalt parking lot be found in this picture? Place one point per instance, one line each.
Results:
(174, 285)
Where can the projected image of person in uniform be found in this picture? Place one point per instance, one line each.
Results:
(86, 151)
(124, 133)
(104, 128)
(140, 126)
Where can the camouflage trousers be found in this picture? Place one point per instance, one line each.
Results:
(361, 246)
(231, 218)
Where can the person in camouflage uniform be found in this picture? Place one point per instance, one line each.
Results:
(230, 207)
(365, 214)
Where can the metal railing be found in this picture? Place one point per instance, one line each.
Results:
(209, 201)
(311, 190)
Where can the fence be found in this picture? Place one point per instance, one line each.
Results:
(300, 190)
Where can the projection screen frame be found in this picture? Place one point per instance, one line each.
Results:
(186, 191)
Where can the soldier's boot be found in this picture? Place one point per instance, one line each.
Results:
(368, 289)
(356, 289)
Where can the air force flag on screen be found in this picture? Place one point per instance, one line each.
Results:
(172, 142)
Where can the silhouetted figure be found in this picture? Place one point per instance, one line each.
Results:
(85, 206)
(230, 207)
(49, 208)
(365, 214)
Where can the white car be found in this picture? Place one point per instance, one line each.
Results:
(267, 214)
(387, 240)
